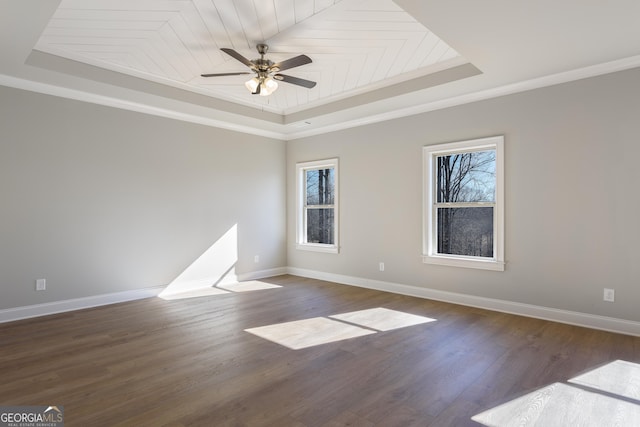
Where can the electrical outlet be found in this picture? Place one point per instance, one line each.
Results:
(256, 259)
(609, 295)
(382, 266)
(41, 284)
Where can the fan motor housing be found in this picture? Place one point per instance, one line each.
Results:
(262, 48)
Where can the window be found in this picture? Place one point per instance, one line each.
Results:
(463, 209)
(317, 204)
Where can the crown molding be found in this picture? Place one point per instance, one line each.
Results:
(93, 98)
(481, 95)
(292, 131)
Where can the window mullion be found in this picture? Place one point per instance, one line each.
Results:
(319, 206)
(464, 204)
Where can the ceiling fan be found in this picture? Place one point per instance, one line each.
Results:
(267, 72)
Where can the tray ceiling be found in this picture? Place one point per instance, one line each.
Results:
(356, 45)
(374, 60)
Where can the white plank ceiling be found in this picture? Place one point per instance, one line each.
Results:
(356, 45)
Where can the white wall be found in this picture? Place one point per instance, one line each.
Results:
(572, 204)
(98, 200)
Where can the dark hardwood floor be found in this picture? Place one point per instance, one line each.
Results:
(189, 362)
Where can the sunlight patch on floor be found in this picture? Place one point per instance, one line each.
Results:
(308, 332)
(562, 405)
(382, 319)
(619, 377)
(195, 293)
(605, 396)
(228, 288)
(248, 286)
(322, 330)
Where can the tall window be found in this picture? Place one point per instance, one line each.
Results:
(464, 212)
(317, 185)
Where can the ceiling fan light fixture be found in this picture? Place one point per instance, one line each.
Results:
(267, 72)
(252, 84)
(268, 86)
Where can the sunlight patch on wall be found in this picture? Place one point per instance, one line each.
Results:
(322, 330)
(216, 265)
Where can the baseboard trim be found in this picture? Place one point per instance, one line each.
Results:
(37, 310)
(604, 323)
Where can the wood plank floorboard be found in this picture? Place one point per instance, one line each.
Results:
(189, 362)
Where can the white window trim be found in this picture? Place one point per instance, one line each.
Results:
(301, 228)
(430, 252)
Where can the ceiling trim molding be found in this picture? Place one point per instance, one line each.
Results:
(445, 75)
(78, 95)
(536, 83)
(85, 71)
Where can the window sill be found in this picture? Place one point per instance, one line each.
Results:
(317, 247)
(465, 262)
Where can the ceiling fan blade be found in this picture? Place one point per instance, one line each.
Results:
(291, 62)
(295, 80)
(224, 74)
(237, 56)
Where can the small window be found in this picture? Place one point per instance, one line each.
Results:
(464, 214)
(317, 205)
